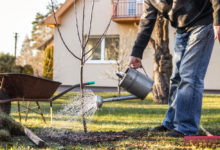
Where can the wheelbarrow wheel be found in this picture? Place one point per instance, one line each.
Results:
(4, 107)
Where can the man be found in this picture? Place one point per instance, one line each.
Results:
(194, 21)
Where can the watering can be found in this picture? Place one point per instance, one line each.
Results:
(133, 81)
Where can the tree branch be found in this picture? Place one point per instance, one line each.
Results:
(77, 24)
(101, 38)
(61, 34)
(90, 24)
(83, 26)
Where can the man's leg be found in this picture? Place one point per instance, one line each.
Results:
(192, 72)
(179, 49)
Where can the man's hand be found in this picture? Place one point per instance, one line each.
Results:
(217, 33)
(135, 62)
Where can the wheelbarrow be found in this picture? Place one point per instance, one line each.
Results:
(22, 87)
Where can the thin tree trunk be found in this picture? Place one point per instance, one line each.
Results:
(162, 61)
(81, 69)
(82, 98)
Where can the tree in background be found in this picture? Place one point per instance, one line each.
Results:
(48, 62)
(26, 53)
(32, 52)
(162, 61)
(28, 69)
(28, 57)
(7, 63)
(40, 32)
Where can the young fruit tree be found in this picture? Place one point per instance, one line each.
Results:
(83, 39)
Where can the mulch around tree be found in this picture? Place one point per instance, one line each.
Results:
(92, 138)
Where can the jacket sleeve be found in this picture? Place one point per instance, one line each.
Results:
(216, 13)
(145, 29)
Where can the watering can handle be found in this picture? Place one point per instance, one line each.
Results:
(144, 71)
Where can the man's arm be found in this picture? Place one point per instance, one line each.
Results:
(145, 29)
(216, 17)
(217, 33)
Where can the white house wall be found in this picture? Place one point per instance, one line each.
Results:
(212, 80)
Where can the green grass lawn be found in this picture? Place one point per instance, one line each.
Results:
(130, 116)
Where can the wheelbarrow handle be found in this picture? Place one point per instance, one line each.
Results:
(69, 89)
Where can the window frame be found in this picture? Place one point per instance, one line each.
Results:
(102, 60)
(139, 1)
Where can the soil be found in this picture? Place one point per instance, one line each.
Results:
(93, 138)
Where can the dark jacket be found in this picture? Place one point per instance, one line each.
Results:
(183, 15)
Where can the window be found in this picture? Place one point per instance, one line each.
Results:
(106, 51)
(131, 7)
(134, 7)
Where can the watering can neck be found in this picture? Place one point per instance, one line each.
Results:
(120, 74)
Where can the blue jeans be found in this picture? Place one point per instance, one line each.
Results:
(191, 58)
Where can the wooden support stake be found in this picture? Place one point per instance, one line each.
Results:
(41, 113)
(28, 106)
(16, 128)
(51, 112)
(3, 78)
(33, 137)
(19, 111)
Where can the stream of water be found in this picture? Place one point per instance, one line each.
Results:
(69, 116)
(72, 110)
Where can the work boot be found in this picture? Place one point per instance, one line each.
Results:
(160, 128)
(174, 133)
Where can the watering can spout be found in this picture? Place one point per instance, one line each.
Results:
(100, 101)
(120, 74)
